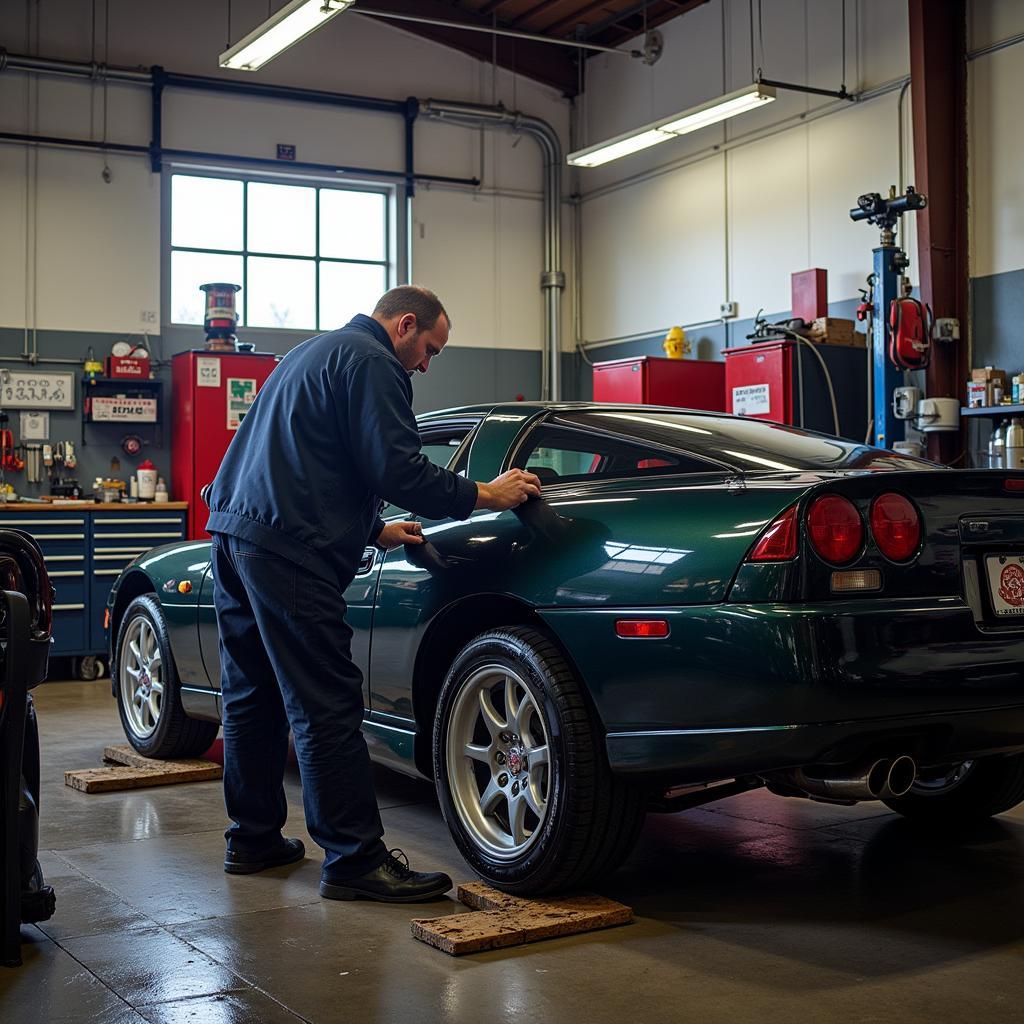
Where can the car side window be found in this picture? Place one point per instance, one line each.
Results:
(564, 455)
(440, 444)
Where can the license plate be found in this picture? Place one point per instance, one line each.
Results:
(1006, 583)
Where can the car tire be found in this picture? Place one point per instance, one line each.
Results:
(579, 821)
(965, 793)
(148, 689)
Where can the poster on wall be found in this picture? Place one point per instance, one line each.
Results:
(241, 392)
(35, 389)
(35, 426)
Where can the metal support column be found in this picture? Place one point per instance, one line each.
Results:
(938, 74)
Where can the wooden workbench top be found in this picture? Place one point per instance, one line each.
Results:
(92, 506)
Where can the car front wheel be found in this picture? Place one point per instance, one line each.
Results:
(521, 772)
(965, 792)
(148, 689)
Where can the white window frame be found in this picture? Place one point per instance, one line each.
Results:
(392, 223)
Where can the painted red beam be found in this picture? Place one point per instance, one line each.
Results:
(938, 83)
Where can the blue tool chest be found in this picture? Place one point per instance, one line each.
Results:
(86, 547)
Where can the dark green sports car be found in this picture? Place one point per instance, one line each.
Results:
(699, 605)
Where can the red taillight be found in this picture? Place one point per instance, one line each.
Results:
(896, 526)
(778, 542)
(1014, 484)
(641, 629)
(835, 528)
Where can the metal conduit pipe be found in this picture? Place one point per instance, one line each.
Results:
(75, 69)
(552, 281)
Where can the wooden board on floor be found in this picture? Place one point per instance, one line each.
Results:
(500, 920)
(133, 771)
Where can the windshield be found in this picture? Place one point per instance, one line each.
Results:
(748, 445)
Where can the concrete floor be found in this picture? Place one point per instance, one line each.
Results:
(754, 909)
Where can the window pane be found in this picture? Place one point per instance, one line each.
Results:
(282, 293)
(282, 218)
(206, 213)
(352, 225)
(191, 269)
(347, 289)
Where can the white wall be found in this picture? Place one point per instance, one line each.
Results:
(996, 143)
(730, 211)
(97, 246)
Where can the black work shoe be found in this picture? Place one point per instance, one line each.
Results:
(393, 882)
(288, 851)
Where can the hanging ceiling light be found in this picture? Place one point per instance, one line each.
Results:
(293, 22)
(738, 102)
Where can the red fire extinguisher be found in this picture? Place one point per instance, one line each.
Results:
(910, 323)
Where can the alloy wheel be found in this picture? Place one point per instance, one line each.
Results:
(141, 676)
(498, 760)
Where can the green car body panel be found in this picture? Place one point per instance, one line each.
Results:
(763, 667)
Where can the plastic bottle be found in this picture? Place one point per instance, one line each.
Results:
(160, 495)
(997, 446)
(1015, 444)
(147, 480)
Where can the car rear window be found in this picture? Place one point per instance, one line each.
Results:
(747, 444)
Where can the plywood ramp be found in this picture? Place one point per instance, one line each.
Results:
(500, 920)
(130, 770)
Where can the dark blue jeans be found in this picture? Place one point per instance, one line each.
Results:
(285, 659)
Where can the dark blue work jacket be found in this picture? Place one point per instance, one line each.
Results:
(331, 429)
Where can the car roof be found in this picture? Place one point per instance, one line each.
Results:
(464, 411)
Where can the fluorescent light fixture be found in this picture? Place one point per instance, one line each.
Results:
(739, 102)
(293, 22)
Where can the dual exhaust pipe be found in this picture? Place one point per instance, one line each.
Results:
(879, 779)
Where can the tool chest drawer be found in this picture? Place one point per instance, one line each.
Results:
(116, 539)
(85, 549)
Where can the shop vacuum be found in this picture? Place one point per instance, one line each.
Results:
(26, 605)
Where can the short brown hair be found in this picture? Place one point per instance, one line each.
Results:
(411, 298)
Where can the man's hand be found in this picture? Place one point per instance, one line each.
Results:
(508, 490)
(394, 535)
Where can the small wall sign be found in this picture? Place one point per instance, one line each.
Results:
(285, 151)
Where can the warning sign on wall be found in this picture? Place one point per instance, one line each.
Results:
(124, 410)
(241, 392)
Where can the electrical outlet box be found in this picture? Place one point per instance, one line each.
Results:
(946, 329)
(147, 316)
(728, 309)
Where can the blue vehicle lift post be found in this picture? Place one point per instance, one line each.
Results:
(889, 263)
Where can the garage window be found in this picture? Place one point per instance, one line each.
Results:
(307, 257)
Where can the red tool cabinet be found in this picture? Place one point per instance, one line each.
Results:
(212, 392)
(652, 380)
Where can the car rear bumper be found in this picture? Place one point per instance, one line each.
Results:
(753, 687)
(703, 755)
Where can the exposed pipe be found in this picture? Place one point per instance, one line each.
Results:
(552, 281)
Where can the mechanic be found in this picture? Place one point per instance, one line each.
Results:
(295, 502)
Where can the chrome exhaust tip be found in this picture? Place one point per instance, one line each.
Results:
(868, 780)
(901, 776)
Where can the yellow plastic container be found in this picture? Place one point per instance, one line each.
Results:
(675, 344)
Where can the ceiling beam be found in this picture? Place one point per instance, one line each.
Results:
(542, 62)
(675, 9)
(575, 18)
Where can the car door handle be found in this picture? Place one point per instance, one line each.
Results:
(369, 557)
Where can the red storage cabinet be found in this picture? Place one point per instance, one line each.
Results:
(653, 380)
(759, 381)
(212, 391)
